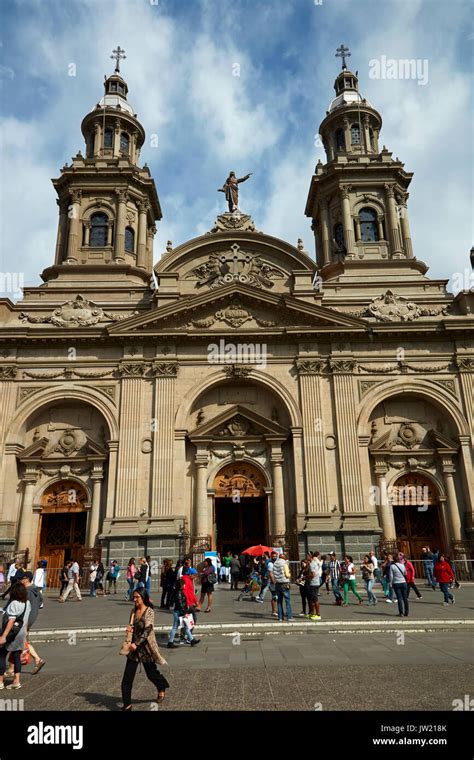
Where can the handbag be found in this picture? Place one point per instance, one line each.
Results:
(16, 627)
(187, 620)
(212, 578)
(125, 648)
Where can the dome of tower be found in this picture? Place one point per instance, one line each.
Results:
(348, 98)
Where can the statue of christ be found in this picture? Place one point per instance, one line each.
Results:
(231, 190)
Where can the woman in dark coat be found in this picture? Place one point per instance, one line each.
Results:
(143, 649)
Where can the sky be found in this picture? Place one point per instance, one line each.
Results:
(202, 120)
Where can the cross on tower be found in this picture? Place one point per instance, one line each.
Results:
(343, 52)
(118, 54)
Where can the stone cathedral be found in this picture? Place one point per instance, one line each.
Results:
(337, 413)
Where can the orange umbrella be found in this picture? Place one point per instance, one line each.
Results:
(257, 551)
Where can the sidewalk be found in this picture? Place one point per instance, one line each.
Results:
(110, 614)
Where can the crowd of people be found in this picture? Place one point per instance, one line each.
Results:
(252, 577)
(24, 591)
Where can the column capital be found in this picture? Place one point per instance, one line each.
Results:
(447, 464)
(76, 196)
(132, 369)
(464, 363)
(201, 460)
(343, 366)
(389, 189)
(310, 366)
(345, 190)
(122, 195)
(30, 476)
(143, 206)
(8, 372)
(164, 369)
(97, 472)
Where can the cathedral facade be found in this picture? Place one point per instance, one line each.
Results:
(239, 391)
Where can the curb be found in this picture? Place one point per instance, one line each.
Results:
(268, 627)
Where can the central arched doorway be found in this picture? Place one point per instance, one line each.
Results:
(417, 515)
(240, 508)
(63, 526)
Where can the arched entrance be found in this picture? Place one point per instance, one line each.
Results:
(240, 508)
(417, 514)
(63, 525)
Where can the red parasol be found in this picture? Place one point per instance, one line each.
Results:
(257, 551)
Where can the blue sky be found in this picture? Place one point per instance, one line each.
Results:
(181, 55)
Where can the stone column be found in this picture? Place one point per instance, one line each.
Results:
(297, 435)
(357, 227)
(201, 521)
(117, 131)
(325, 237)
(62, 230)
(453, 508)
(119, 248)
(163, 437)
(347, 135)
(467, 469)
(29, 520)
(346, 418)
(366, 125)
(405, 226)
(94, 514)
(149, 253)
(465, 366)
(113, 447)
(394, 230)
(278, 516)
(74, 211)
(128, 472)
(8, 452)
(385, 509)
(87, 235)
(380, 226)
(347, 221)
(97, 139)
(309, 372)
(109, 233)
(143, 207)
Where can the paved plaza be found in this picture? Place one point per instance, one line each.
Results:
(246, 661)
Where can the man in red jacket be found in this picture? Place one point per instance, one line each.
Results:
(444, 575)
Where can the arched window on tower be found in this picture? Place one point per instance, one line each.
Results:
(340, 142)
(124, 142)
(368, 225)
(108, 138)
(355, 134)
(339, 236)
(129, 240)
(99, 228)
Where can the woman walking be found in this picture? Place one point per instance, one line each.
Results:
(409, 567)
(130, 575)
(13, 636)
(143, 649)
(349, 580)
(301, 583)
(92, 579)
(208, 579)
(444, 575)
(387, 588)
(167, 581)
(398, 581)
(63, 578)
(367, 568)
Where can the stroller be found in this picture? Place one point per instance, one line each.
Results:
(252, 586)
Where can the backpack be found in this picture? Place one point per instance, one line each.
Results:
(265, 570)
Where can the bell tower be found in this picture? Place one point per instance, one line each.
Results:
(108, 204)
(358, 198)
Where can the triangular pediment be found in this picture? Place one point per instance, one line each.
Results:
(234, 307)
(239, 422)
(69, 443)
